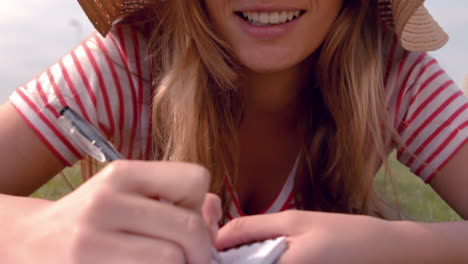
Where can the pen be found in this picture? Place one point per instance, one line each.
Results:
(93, 143)
(87, 137)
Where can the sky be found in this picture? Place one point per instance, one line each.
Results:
(34, 34)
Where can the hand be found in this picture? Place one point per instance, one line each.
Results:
(116, 217)
(316, 237)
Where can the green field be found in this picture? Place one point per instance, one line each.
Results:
(416, 199)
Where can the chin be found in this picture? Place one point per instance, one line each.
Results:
(268, 63)
(267, 68)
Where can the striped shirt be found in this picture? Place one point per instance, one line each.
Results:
(283, 201)
(429, 110)
(108, 81)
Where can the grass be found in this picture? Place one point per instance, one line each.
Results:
(415, 198)
(58, 187)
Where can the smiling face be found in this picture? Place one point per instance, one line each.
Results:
(276, 35)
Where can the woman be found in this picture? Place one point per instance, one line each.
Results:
(249, 90)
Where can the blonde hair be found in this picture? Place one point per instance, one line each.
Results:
(195, 105)
(197, 110)
(350, 134)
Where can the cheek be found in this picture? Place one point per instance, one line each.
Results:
(217, 11)
(279, 54)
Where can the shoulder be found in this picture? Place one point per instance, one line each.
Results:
(125, 47)
(426, 106)
(409, 72)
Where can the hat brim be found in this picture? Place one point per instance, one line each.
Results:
(416, 28)
(422, 32)
(102, 13)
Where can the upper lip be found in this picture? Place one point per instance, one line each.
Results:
(267, 8)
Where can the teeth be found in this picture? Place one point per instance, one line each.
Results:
(255, 16)
(283, 17)
(264, 18)
(274, 18)
(270, 18)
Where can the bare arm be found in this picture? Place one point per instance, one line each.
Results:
(452, 181)
(361, 239)
(110, 211)
(26, 163)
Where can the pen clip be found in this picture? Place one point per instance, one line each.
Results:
(74, 135)
(87, 137)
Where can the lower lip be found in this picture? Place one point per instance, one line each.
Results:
(267, 32)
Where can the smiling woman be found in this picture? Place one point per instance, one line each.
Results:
(254, 40)
(25, 21)
(269, 105)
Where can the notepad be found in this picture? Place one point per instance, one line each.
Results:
(265, 252)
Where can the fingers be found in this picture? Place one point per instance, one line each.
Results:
(153, 219)
(250, 229)
(125, 201)
(180, 183)
(120, 200)
(212, 213)
(149, 250)
(128, 248)
(298, 254)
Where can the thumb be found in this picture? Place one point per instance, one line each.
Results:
(249, 229)
(212, 213)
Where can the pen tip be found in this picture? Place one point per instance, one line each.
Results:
(64, 109)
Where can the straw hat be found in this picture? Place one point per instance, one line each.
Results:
(416, 28)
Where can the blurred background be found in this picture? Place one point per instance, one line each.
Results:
(34, 34)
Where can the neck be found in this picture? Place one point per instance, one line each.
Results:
(275, 97)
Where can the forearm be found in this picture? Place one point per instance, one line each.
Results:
(13, 208)
(16, 213)
(413, 242)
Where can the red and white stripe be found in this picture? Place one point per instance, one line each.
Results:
(283, 201)
(108, 81)
(428, 109)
